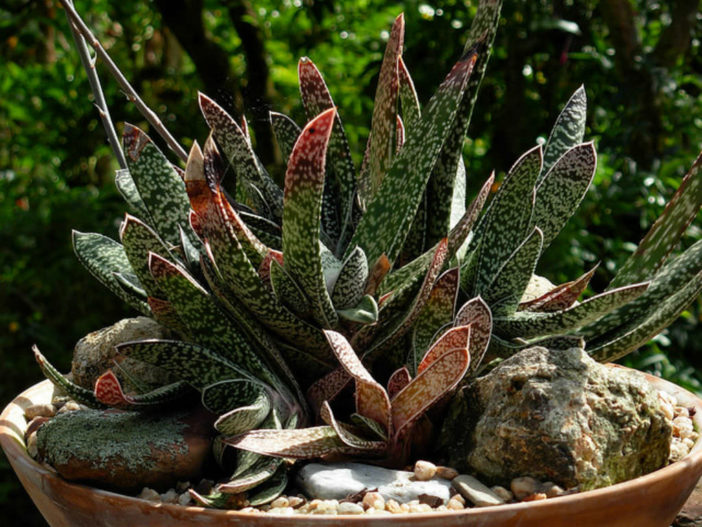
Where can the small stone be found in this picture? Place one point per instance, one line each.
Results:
(667, 410)
(441, 508)
(432, 501)
(377, 512)
(281, 510)
(250, 510)
(551, 489)
(682, 427)
(70, 406)
(32, 445)
(419, 507)
(34, 425)
(182, 486)
(537, 496)
(170, 496)
(185, 499)
(679, 411)
(459, 498)
(347, 507)
(404, 507)
(149, 494)
(279, 502)
(524, 486)
(455, 505)
(393, 506)
(502, 493)
(374, 500)
(476, 492)
(446, 472)
(39, 410)
(296, 501)
(424, 470)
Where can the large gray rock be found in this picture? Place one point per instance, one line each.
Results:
(557, 415)
(335, 481)
(127, 450)
(95, 353)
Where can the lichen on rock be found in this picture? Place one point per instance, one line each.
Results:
(127, 450)
(558, 415)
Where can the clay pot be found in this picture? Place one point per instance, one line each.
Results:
(649, 501)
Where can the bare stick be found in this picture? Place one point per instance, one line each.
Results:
(131, 93)
(100, 103)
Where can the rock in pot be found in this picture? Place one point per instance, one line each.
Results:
(127, 450)
(558, 415)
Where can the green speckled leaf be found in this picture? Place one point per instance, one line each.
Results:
(265, 230)
(244, 418)
(436, 313)
(138, 241)
(662, 238)
(382, 141)
(674, 276)
(369, 426)
(506, 221)
(562, 189)
(126, 187)
(304, 185)
(389, 215)
(568, 131)
(365, 312)
(525, 324)
(286, 133)
(208, 324)
(260, 472)
(162, 311)
(158, 183)
(271, 489)
(505, 291)
(238, 150)
(341, 172)
(664, 315)
(104, 257)
(224, 396)
(130, 284)
(350, 285)
(191, 363)
(287, 291)
(78, 393)
(409, 102)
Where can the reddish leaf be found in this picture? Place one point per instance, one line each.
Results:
(372, 400)
(477, 314)
(454, 338)
(397, 381)
(301, 443)
(264, 270)
(377, 273)
(460, 231)
(428, 387)
(349, 438)
(108, 390)
(560, 297)
(327, 388)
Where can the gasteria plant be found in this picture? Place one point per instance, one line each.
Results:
(280, 299)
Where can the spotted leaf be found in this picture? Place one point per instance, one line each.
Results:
(350, 285)
(346, 435)
(286, 133)
(303, 443)
(74, 391)
(477, 314)
(126, 187)
(304, 185)
(560, 297)
(108, 391)
(454, 338)
(568, 131)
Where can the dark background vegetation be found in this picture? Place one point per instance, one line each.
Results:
(640, 61)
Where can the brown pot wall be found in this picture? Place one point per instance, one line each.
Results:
(649, 501)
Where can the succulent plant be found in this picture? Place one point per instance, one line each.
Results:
(281, 298)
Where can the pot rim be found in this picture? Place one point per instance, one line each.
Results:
(12, 442)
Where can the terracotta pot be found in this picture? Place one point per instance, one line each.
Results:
(649, 501)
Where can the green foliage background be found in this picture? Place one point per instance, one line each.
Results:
(640, 61)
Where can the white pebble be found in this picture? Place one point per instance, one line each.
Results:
(681, 410)
(456, 505)
(424, 470)
(348, 507)
(667, 410)
(420, 507)
(281, 510)
(502, 492)
(446, 472)
(524, 486)
(39, 410)
(295, 501)
(32, 449)
(393, 506)
(551, 489)
(149, 494)
(185, 499)
(280, 502)
(374, 500)
(170, 496)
